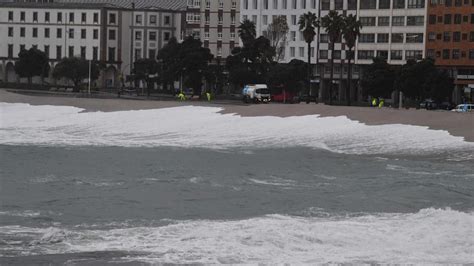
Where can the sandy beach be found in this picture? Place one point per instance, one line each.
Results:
(457, 124)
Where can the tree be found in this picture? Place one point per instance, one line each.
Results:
(378, 78)
(76, 70)
(333, 23)
(289, 76)
(31, 63)
(277, 32)
(350, 32)
(247, 32)
(169, 62)
(307, 24)
(143, 69)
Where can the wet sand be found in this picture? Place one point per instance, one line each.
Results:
(457, 124)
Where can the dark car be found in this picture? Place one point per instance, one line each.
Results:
(446, 106)
(428, 104)
(308, 98)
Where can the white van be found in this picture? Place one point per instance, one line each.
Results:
(256, 93)
(467, 107)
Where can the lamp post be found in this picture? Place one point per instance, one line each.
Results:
(89, 85)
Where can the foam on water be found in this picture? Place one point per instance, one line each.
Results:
(428, 236)
(205, 127)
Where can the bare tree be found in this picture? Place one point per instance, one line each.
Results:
(277, 32)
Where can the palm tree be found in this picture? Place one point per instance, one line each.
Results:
(350, 32)
(308, 22)
(247, 32)
(333, 23)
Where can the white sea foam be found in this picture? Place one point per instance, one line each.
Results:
(205, 127)
(428, 236)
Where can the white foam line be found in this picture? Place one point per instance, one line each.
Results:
(205, 127)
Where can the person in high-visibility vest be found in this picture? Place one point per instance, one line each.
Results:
(181, 96)
(208, 95)
(381, 103)
(374, 102)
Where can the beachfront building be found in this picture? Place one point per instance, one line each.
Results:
(450, 41)
(115, 33)
(394, 29)
(215, 23)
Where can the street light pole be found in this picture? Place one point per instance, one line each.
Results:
(89, 87)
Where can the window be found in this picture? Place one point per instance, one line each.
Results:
(398, 21)
(138, 19)
(293, 20)
(367, 21)
(46, 32)
(416, 3)
(10, 15)
(365, 54)
(83, 52)
(471, 54)
(59, 33)
(324, 38)
(10, 31)
(471, 36)
(338, 4)
(206, 35)
(22, 32)
(22, 47)
(415, 20)
(151, 53)
(432, 19)
(71, 51)
(431, 36)
(265, 19)
(456, 36)
(167, 20)
(71, 33)
(219, 35)
(96, 17)
(46, 16)
(138, 35)
(10, 51)
(456, 53)
(275, 4)
(447, 19)
(447, 36)
(430, 53)
(294, 4)
(325, 4)
(265, 4)
(71, 17)
(414, 38)
(95, 34)
(384, 21)
(384, 4)
(457, 18)
(440, 19)
(59, 51)
(336, 54)
(153, 20)
(397, 37)
(351, 4)
(382, 38)
(232, 36)
(22, 16)
(111, 54)
(59, 17)
(413, 55)
(368, 4)
(396, 55)
(95, 53)
(112, 35)
(284, 4)
(220, 19)
(382, 54)
(301, 52)
(292, 52)
(167, 36)
(152, 36)
(367, 38)
(83, 33)
(83, 17)
(323, 54)
(446, 53)
(398, 4)
(112, 18)
(35, 16)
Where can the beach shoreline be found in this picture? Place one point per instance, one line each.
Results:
(457, 124)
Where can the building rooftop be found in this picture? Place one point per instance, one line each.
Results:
(127, 4)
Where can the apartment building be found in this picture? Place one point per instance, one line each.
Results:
(450, 41)
(115, 33)
(215, 23)
(394, 29)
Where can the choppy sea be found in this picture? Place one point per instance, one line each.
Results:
(189, 185)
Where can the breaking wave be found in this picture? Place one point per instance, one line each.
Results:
(428, 236)
(205, 127)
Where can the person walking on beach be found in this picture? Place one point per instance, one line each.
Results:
(381, 103)
(208, 95)
(181, 96)
(374, 102)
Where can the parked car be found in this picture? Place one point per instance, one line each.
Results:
(287, 97)
(467, 107)
(428, 104)
(308, 98)
(446, 106)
